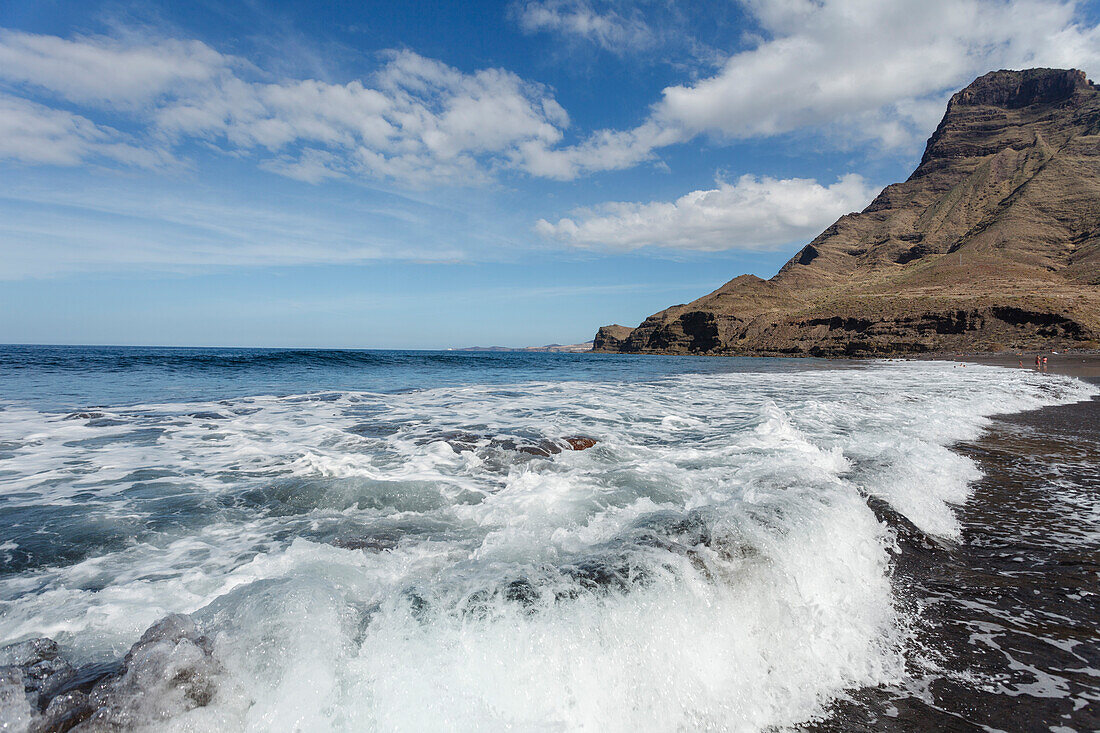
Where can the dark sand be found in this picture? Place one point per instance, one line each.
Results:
(1071, 365)
(1009, 630)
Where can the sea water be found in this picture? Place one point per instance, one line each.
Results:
(406, 540)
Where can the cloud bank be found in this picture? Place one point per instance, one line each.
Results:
(417, 120)
(751, 214)
(849, 71)
(879, 70)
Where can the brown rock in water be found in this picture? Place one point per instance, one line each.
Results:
(993, 242)
(580, 443)
(547, 448)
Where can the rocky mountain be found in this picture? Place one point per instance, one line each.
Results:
(993, 242)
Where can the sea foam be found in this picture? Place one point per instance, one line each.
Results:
(711, 563)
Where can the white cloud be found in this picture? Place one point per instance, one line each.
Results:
(839, 62)
(108, 70)
(578, 19)
(603, 151)
(851, 71)
(751, 214)
(855, 71)
(35, 134)
(417, 120)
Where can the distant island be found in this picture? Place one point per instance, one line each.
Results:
(553, 348)
(992, 243)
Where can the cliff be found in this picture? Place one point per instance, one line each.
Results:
(993, 242)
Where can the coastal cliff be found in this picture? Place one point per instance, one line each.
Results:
(993, 242)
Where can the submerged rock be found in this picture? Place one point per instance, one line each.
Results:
(64, 712)
(580, 443)
(39, 667)
(16, 711)
(170, 670)
(544, 448)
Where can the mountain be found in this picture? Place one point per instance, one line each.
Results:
(993, 242)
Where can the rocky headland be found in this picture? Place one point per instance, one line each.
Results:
(992, 243)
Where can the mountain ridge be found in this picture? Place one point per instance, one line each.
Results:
(992, 242)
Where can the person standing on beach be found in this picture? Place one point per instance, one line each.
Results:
(1038, 362)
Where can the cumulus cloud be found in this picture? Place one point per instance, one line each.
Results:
(854, 62)
(416, 120)
(751, 214)
(852, 71)
(603, 151)
(578, 19)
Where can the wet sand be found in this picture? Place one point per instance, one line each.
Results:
(1072, 365)
(1009, 635)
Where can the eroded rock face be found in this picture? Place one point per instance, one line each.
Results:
(609, 338)
(993, 242)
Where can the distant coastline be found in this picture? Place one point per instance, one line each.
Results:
(548, 348)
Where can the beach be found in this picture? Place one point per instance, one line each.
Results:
(1010, 610)
(1083, 365)
(211, 539)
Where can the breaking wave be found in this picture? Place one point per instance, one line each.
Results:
(708, 559)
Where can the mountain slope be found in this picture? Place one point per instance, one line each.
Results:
(993, 241)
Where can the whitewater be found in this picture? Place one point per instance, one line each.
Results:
(429, 553)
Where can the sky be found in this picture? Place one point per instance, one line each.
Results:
(439, 175)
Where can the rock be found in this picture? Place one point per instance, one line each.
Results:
(26, 653)
(992, 243)
(170, 670)
(37, 662)
(546, 448)
(579, 443)
(609, 338)
(63, 713)
(460, 442)
(16, 711)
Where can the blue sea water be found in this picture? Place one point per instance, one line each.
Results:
(76, 377)
(372, 540)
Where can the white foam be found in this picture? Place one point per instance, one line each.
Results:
(789, 604)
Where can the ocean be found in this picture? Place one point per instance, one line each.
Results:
(262, 539)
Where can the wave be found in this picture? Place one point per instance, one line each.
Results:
(711, 562)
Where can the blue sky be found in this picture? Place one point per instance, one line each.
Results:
(433, 175)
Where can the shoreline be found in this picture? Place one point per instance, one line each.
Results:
(1008, 611)
(1085, 365)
